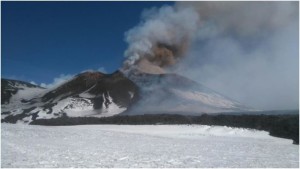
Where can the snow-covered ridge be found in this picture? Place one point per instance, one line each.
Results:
(24, 91)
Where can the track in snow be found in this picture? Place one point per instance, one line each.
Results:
(143, 146)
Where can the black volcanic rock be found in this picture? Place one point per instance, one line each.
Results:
(77, 85)
(118, 86)
(97, 84)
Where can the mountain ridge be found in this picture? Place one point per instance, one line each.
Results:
(86, 94)
(95, 94)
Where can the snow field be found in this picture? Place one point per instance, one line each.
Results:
(143, 146)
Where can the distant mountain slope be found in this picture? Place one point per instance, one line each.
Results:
(11, 87)
(87, 94)
(172, 93)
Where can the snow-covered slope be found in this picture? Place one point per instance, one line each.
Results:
(180, 146)
(171, 93)
(18, 91)
(87, 94)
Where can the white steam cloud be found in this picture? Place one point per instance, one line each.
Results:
(57, 81)
(245, 50)
(62, 78)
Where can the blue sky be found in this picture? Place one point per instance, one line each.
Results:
(43, 40)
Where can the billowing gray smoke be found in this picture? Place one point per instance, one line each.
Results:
(245, 50)
(161, 38)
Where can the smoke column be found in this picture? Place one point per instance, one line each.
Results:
(161, 38)
(245, 50)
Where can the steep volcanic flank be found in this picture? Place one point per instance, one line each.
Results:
(87, 94)
(77, 85)
(98, 87)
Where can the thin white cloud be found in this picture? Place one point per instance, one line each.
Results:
(62, 78)
(57, 81)
(102, 70)
(32, 82)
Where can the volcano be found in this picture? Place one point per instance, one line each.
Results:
(95, 94)
(87, 94)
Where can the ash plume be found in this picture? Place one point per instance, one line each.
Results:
(245, 50)
(162, 37)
